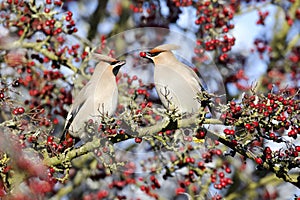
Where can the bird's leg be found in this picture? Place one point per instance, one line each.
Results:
(205, 100)
(166, 94)
(105, 119)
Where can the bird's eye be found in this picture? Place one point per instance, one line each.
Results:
(154, 54)
(114, 62)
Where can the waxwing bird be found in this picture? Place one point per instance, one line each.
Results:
(177, 85)
(99, 95)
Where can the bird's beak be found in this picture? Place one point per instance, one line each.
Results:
(121, 62)
(145, 54)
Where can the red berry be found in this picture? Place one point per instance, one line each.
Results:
(54, 145)
(268, 150)
(143, 54)
(228, 170)
(180, 190)
(255, 124)
(134, 77)
(60, 147)
(15, 111)
(259, 161)
(69, 13)
(227, 131)
(21, 110)
(50, 139)
(2, 95)
(58, 3)
(218, 152)
(55, 121)
(68, 18)
(272, 135)
(248, 126)
(201, 165)
(221, 174)
(138, 140)
(200, 134)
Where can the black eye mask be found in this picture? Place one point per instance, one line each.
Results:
(114, 62)
(116, 69)
(153, 54)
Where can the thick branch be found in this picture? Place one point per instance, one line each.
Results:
(96, 17)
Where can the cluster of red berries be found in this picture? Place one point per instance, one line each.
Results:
(154, 182)
(55, 147)
(223, 45)
(147, 190)
(238, 79)
(215, 16)
(46, 23)
(262, 47)
(182, 3)
(110, 129)
(101, 194)
(275, 114)
(51, 177)
(18, 111)
(295, 56)
(137, 8)
(208, 156)
(136, 89)
(148, 12)
(189, 183)
(42, 95)
(285, 157)
(262, 17)
(219, 180)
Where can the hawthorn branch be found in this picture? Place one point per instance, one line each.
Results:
(140, 132)
(96, 17)
(38, 47)
(70, 155)
(271, 179)
(267, 166)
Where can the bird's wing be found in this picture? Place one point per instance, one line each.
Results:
(194, 77)
(177, 88)
(71, 115)
(89, 89)
(77, 105)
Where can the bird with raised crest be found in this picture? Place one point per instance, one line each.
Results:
(177, 85)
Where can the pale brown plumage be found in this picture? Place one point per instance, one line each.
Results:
(98, 96)
(177, 84)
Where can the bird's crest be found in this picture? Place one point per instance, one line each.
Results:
(165, 47)
(101, 57)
